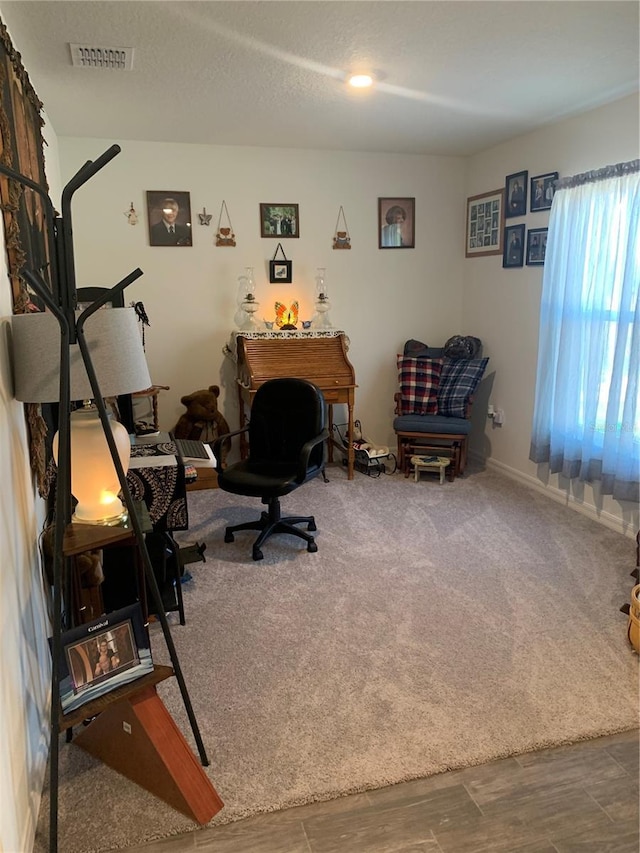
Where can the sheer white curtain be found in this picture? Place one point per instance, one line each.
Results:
(586, 421)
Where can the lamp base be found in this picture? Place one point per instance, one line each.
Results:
(110, 521)
(94, 481)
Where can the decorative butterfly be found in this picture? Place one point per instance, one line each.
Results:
(286, 318)
(205, 218)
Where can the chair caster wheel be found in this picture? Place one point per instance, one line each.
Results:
(312, 526)
(228, 537)
(312, 547)
(257, 554)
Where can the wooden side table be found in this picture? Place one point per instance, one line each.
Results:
(429, 463)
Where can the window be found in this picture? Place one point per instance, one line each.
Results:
(587, 410)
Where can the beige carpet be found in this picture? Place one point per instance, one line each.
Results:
(437, 626)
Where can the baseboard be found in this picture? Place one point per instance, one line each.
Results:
(605, 518)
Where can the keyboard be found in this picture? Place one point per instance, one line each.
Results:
(188, 447)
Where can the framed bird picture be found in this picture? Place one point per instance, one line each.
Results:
(280, 269)
(280, 272)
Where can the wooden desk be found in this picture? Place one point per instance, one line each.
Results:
(319, 357)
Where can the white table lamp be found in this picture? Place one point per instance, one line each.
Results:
(115, 347)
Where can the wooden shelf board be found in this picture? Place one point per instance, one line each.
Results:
(97, 706)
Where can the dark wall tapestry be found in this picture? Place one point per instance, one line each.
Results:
(23, 214)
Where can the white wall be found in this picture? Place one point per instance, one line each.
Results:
(380, 298)
(24, 623)
(501, 306)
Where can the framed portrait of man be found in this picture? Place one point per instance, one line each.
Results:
(169, 218)
(513, 253)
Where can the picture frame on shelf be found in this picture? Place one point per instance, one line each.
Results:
(513, 254)
(485, 224)
(279, 220)
(536, 246)
(101, 655)
(169, 218)
(543, 189)
(516, 186)
(396, 223)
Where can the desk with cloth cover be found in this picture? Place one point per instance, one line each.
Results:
(156, 477)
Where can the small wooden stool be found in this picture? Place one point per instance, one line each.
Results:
(429, 463)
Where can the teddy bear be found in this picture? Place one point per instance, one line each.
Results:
(361, 442)
(202, 421)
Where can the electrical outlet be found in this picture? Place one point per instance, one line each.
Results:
(498, 417)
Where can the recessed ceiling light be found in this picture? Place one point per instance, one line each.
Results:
(360, 81)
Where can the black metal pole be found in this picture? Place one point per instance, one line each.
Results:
(133, 516)
(60, 563)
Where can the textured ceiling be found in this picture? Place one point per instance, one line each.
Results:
(453, 77)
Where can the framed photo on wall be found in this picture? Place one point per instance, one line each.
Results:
(516, 194)
(169, 217)
(279, 220)
(536, 246)
(513, 255)
(396, 223)
(485, 224)
(543, 188)
(280, 272)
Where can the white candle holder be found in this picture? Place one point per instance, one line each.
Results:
(322, 305)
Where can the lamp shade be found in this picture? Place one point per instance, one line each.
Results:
(114, 344)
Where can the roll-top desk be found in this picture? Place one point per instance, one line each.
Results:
(319, 357)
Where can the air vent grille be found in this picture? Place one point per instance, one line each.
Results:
(93, 56)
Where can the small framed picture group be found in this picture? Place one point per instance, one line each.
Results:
(485, 224)
(516, 253)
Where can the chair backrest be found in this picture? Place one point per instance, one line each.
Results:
(285, 414)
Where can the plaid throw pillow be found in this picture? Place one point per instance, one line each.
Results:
(459, 379)
(419, 379)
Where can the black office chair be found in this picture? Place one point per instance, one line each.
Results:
(287, 435)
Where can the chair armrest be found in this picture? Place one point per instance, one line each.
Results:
(216, 446)
(305, 453)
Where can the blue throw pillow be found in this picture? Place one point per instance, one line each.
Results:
(459, 379)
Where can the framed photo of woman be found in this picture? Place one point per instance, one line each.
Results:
(396, 223)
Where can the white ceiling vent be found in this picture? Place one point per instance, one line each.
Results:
(92, 56)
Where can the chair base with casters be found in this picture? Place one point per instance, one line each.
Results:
(287, 436)
(271, 522)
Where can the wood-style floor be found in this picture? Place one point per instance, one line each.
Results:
(582, 797)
